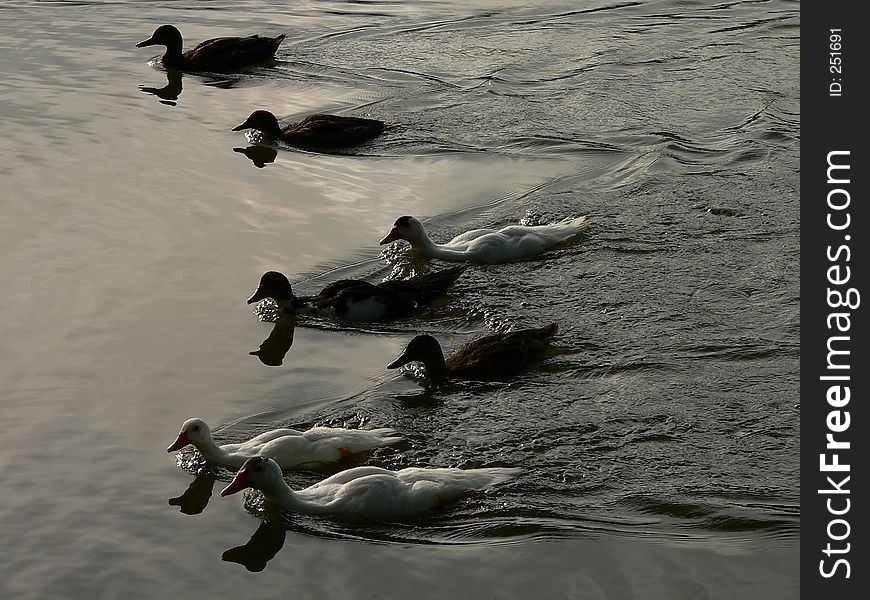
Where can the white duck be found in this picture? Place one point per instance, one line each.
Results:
(369, 492)
(487, 246)
(289, 447)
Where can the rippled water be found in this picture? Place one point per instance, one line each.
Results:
(659, 439)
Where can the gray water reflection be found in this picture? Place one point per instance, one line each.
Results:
(275, 347)
(170, 92)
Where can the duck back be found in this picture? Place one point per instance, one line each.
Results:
(332, 131)
(425, 288)
(230, 53)
(500, 354)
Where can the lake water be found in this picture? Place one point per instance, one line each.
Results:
(659, 440)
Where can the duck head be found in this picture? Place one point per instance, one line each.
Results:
(194, 431)
(165, 35)
(261, 120)
(424, 349)
(405, 228)
(273, 285)
(259, 472)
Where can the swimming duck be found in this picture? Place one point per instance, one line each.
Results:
(496, 355)
(357, 299)
(315, 131)
(368, 492)
(219, 54)
(289, 447)
(488, 246)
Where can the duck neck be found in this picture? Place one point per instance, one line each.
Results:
(212, 452)
(288, 306)
(287, 499)
(435, 364)
(425, 246)
(273, 130)
(173, 56)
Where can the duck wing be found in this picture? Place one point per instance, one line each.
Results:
(344, 477)
(369, 303)
(381, 494)
(461, 241)
(513, 242)
(426, 288)
(231, 52)
(251, 446)
(537, 336)
(373, 496)
(321, 445)
(351, 440)
(332, 131)
(500, 354)
(452, 482)
(331, 290)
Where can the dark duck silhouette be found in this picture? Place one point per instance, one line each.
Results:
(316, 131)
(488, 357)
(218, 54)
(169, 93)
(357, 299)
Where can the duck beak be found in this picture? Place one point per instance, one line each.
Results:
(242, 126)
(403, 360)
(239, 482)
(260, 294)
(180, 442)
(392, 236)
(149, 42)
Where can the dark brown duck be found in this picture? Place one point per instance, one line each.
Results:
(492, 356)
(218, 54)
(315, 131)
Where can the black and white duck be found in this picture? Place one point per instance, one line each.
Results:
(356, 299)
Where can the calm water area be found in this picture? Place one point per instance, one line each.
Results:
(658, 440)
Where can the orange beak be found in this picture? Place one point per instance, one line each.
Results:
(180, 442)
(239, 482)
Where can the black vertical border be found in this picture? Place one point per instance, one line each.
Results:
(834, 123)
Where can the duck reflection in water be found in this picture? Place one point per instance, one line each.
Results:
(266, 542)
(259, 155)
(169, 93)
(195, 498)
(274, 348)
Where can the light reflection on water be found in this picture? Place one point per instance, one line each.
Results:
(659, 431)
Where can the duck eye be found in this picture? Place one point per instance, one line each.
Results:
(196, 427)
(258, 468)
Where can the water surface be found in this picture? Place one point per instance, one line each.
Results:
(659, 440)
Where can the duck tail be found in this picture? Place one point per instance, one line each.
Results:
(386, 436)
(385, 432)
(499, 475)
(574, 223)
(443, 277)
(548, 331)
(424, 289)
